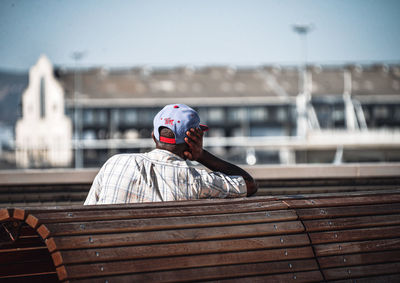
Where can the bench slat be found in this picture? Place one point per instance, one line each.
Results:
(121, 214)
(128, 225)
(356, 200)
(373, 279)
(356, 247)
(175, 249)
(49, 277)
(23, 255)
(270, 191)
(24, 242)
(361, 271)
(26, 231)
(355, 234)
(342, 211)
(315, 195)
(212, 273)
(158, 264)
(179, 235)
(21, 213)
(359, 259)
(23, 268)
(351, 222)
(308, 276)
(42, 196)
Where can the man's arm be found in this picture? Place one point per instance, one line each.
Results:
(197, 153)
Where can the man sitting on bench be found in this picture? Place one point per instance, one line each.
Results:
(163, 174)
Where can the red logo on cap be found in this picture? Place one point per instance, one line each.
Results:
(169, 121)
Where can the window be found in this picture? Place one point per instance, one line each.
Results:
(259, 132)
(381, 112)
(115, 117)
(88, 116)
(267, 131)
(42, 98)
(330, 114)
(338, 114)
(215, 114)
(89, 135)
(258, 114)
(203, 114)
(237, 114)
(130, 116)
(397, 113)
(147, 115)
(216, 133)
(239, 132)
(102, 116)
(281, 114)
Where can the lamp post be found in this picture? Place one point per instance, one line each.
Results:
(303, 99)
(302, 30)
(77, 56)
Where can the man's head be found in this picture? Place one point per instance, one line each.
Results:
(172, 123)
(179, 118)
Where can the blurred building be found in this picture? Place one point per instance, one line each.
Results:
(267, 114)
(43, 134)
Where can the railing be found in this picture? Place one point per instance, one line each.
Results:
(70, 187)
(259, 172)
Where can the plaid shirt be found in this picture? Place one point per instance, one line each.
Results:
(159, 175)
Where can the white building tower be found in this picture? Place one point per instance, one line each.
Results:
(43, 134)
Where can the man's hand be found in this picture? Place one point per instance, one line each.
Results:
(195, 143)
(194, 140)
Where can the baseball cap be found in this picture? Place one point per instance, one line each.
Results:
(179, 118)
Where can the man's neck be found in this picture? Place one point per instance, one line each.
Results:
(173, 149)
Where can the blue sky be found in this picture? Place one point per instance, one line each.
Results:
(167, 33)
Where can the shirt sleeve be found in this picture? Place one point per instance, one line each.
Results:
(219, 185)
(94, 192)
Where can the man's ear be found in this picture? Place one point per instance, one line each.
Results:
(154, 138)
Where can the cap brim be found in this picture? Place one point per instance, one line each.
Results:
(204, 128)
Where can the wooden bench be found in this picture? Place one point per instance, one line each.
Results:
(303, 238)
(355, 236)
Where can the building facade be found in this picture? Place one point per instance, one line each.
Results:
(266, 114)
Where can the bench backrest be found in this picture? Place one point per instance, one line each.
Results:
(294, 238)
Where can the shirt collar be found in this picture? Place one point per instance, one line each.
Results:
(165, 155)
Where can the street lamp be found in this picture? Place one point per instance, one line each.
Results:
(304, 96)
(77, 56)
(302, 30)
